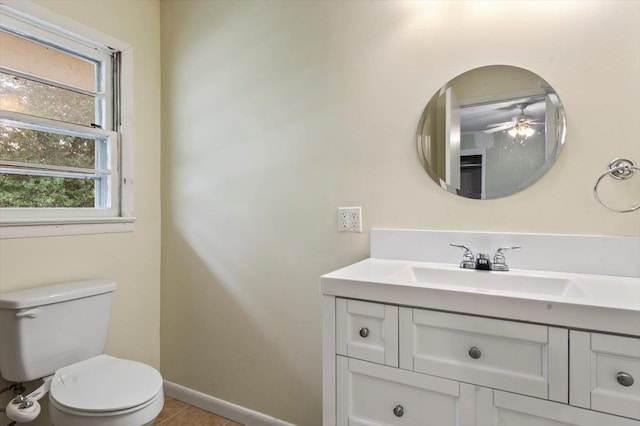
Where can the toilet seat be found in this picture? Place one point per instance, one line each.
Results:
(104, 384)
(143, 415)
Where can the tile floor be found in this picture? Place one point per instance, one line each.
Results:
(178, 413)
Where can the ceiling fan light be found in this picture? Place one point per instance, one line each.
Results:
(522, 129)
(526, 131)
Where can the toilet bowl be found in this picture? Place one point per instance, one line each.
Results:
(105, 391)
(57, 333)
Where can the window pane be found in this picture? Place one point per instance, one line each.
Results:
(39, 191)
(32, 58)
(35, 146)
(33, 98)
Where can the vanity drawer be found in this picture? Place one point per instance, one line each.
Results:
(367, 331)
(523, 358)
(373, 394)
(498, 408)
(605, 373)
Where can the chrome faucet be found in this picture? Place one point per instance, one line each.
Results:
(483, 261)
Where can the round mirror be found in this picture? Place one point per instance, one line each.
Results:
(491, 132)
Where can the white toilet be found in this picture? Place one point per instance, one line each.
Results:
(61, 330)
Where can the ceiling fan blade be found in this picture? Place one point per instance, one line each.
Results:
(498, 129)
(504, 123)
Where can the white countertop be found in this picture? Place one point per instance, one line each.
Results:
(585, 301)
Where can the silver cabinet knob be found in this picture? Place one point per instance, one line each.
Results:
(625, 379)
(364, 332)
(398, 411)
(475, 353)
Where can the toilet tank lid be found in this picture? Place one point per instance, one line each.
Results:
(55, 293)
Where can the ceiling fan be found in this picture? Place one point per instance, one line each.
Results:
(520, 125)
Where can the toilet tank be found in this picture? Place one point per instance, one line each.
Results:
(45, 328)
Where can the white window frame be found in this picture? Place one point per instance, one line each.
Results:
(24, 17)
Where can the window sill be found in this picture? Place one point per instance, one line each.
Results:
(31, 228)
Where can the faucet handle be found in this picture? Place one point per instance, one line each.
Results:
(468, 261)
(467, 251)
(499, 256)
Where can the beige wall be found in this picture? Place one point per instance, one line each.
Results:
(131, 259)
(276, 113)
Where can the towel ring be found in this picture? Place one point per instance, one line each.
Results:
(620, 169)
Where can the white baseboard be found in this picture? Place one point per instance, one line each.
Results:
(218, 406)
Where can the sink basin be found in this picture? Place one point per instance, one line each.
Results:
(488, 280)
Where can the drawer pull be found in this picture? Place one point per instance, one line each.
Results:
(475, 353)
(625, 379)
(398, 411)
(364, 332)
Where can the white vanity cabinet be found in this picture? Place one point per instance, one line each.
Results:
(387, 364)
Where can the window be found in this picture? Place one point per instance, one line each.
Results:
(60, 127)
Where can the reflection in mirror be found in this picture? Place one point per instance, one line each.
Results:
(491, 132)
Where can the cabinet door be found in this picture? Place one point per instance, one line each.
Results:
(367, 331)
(373, 395)
(497, 408)
(525, 358)
(605, 373)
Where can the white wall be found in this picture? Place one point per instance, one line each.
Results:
(131, 259)
(276, 113)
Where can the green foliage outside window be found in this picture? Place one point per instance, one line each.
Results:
(39, 191)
